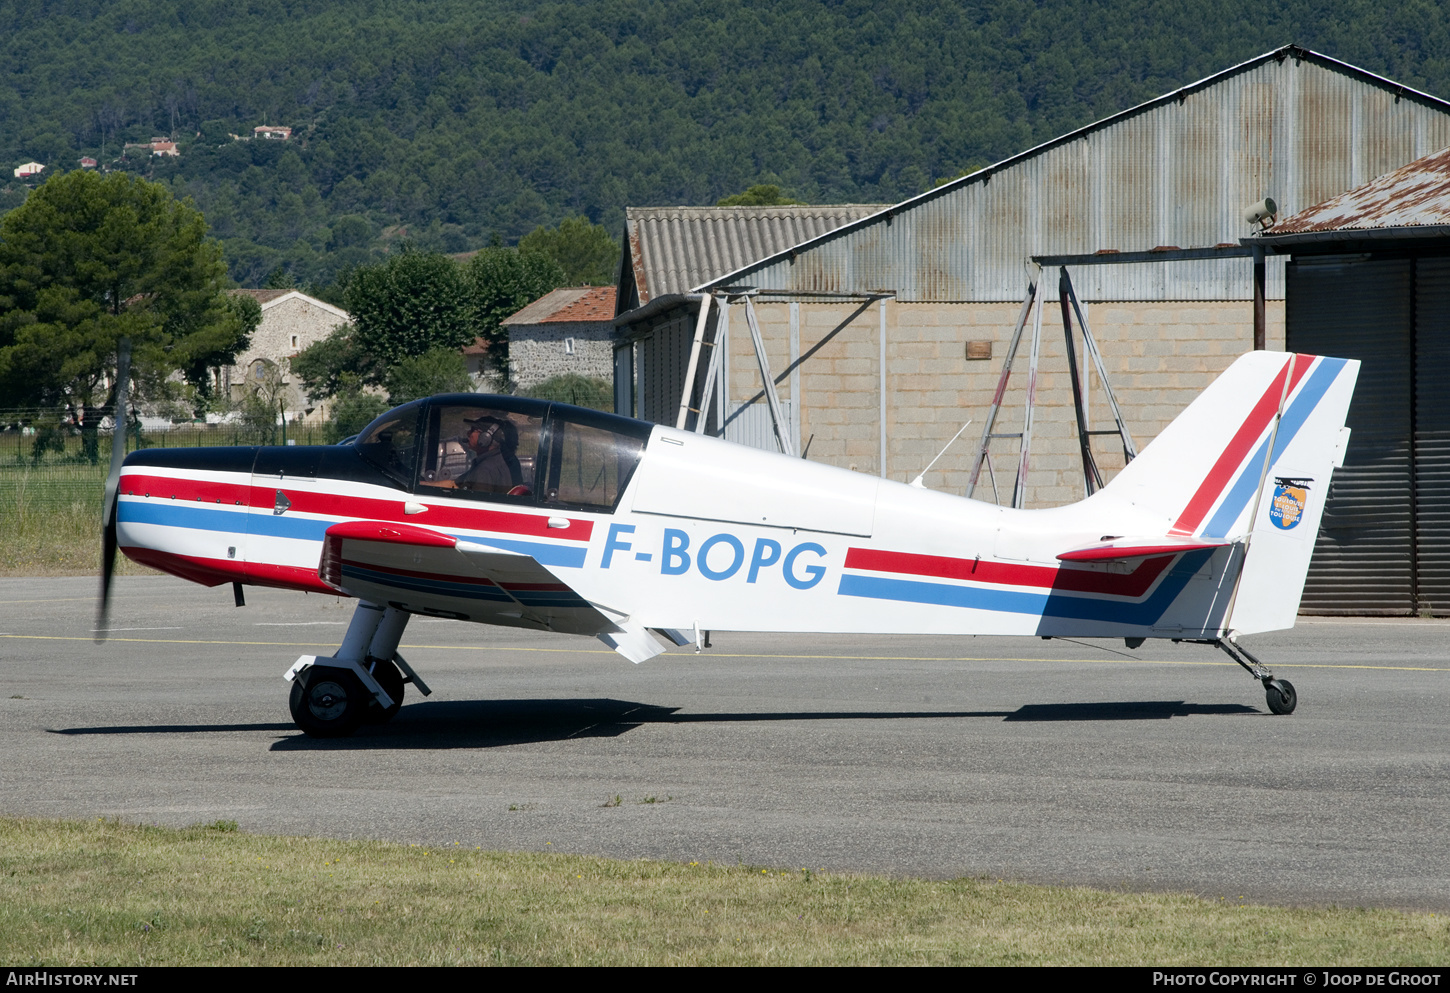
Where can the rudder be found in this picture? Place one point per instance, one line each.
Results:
(1212, 474)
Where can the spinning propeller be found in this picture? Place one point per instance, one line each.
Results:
(113, 482)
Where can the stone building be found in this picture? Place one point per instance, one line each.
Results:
(887, 332)
(475, 359)
(568, 330)
(291, 321)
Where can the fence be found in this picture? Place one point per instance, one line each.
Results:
(49, 468)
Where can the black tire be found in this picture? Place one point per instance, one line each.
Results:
(1281, 696)
(391, 680)
(328, 702)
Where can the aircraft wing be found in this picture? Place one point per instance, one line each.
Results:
(429, 572)
(1121, 549)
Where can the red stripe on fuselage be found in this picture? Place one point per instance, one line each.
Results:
(1132, 584)
(1223, 470)
(206, 492)
(214, 572)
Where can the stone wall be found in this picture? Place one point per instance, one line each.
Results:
(539, 351)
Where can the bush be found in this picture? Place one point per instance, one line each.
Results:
(352, 412)
(582, 391)
(438, 370)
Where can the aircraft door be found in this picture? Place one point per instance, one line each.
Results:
(283, 478)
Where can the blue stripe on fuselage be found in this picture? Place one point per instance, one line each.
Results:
(181, 515)
(1042, 604)
(542, 554)
(177, 514)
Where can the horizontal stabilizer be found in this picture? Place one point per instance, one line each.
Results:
(1120, 549)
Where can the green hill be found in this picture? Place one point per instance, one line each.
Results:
(458, 122)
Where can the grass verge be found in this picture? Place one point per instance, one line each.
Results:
(107, 893)
(51, 520)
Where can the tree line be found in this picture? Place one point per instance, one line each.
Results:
(455, 124)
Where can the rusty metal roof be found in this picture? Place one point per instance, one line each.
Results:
(672, 249)
(568, 305)
(1414, 195)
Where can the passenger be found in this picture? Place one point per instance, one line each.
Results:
(493, 442)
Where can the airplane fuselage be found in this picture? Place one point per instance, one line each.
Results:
(705, 535)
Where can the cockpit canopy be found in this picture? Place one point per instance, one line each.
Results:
(511, 450)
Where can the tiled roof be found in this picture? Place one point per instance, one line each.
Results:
(568, 304)
(271, 297)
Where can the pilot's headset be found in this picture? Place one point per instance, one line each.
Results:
(491, 433)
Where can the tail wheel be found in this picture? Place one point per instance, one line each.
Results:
(391, 680)
(1281, 696)
(328, 702)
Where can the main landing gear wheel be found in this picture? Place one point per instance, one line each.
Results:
(391, 680)
(328, 702)
(1281, 696)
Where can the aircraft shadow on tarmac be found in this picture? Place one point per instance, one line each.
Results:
(493, 723)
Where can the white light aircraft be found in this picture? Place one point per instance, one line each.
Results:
(504, 510)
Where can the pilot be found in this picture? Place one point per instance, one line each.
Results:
(492, 442)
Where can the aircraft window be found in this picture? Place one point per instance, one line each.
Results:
(590, 464)
(391, 443)
(481, 453)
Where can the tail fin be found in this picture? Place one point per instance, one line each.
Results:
(1250, 461)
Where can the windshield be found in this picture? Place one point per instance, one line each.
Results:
(391, 442)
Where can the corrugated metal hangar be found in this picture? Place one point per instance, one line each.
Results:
(670, 250)
(1369, 278)
(884, 330)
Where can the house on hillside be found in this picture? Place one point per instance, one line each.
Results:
(291, 321)
(887, 332)
(271, 132)
(29, 170)
(163, 147)
(87, 162)
(568, 330)
(475, 359)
